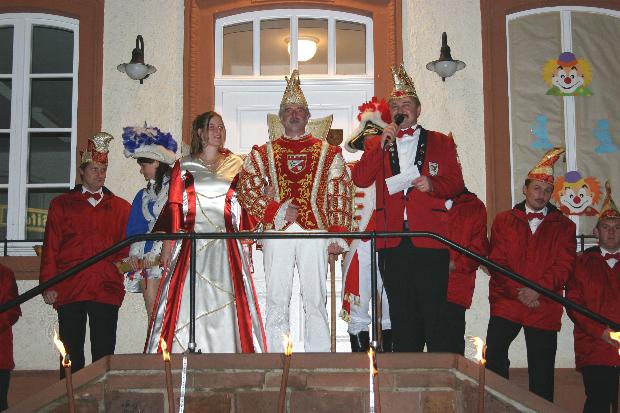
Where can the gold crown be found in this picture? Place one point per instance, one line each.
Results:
(609, 209)
(403, 85)
(543, 171)
(97, 148)
(293, 95)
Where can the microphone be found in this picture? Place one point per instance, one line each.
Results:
(398, 119)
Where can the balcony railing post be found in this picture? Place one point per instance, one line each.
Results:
(373, 290)
(192, 297)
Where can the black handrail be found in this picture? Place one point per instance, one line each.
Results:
(295, 235)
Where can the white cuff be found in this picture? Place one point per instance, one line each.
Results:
(279, 221)
(340, 241)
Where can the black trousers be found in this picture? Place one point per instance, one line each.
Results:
(541, 346)
(416, 282)
(5, 378)
(601, 385)
(102, 319)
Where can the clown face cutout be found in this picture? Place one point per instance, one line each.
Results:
(576, 195)
(568, 76)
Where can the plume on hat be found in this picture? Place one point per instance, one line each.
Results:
(149, 142)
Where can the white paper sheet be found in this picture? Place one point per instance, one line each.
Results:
(402, 181)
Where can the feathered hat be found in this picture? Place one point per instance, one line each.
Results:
(543, 171)
(403, 85)
(97, 149)
(149, 142)
(374, 115)
(293, 95)
(609, 209)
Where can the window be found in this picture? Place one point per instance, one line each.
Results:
(577, 110)
(274, 42)
(38, 118)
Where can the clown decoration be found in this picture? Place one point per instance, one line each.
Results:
(576, 195)
(568, 76)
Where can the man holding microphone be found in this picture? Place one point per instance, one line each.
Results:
(415, 171)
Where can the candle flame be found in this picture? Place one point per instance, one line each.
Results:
(287, 343)
(164, 349)
(615, 335)
(373, 361)
(481, 350)
(66, 362)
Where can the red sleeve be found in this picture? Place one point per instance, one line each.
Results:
(170, 217)
(566, 246)
(121, 210)
(582, 291)
(8, 291)
(501, 242)
(451, 184)
(367, 168)
(51, 242)
(477, 242)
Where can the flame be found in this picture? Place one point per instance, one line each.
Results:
(61, 348)
(287, 343)
(164, 349)
(373, 362)
(615, 335)
(481, 350)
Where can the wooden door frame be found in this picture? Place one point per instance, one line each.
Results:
(199, 42)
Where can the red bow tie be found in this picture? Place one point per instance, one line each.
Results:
(96, 196)
(615, 256)
(532, 215)
(403, 132)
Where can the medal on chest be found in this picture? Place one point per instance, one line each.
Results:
(297, 163)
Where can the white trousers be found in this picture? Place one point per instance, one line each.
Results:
(280, 256)
(360, 314)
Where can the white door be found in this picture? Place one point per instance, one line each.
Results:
(250, 70)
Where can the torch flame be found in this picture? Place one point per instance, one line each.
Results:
(287, 343)
(373, 361)
(615, 335)
(61, 348)
(164, 349)
(481, 350)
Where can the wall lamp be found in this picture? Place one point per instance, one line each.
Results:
(136, 68)
(445, 66)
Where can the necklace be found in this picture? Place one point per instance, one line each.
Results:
(212, 164)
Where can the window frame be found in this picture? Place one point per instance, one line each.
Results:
(294, 15)
(20, 129)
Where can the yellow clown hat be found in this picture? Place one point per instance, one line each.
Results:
(97, 148)
(543, 171)
(293, 95)
(403, 85)
(609, 209)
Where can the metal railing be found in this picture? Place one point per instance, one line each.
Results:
(193, 237)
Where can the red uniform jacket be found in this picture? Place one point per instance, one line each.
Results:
(467, 225)
(596, 286)
(8, 291)
(75, 231)
(426, 211)
(546, 257)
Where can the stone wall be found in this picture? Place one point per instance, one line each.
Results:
(317, 382)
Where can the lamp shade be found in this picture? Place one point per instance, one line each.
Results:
(306, 48)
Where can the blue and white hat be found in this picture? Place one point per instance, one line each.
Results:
(149, 142)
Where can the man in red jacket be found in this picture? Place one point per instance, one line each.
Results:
(596, 285)
(467, 226)
(414, 176)
(536, 241)
(8, 291)
(80, 224)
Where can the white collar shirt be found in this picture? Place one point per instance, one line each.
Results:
(93, 201)
(534, 223)
(611, 261)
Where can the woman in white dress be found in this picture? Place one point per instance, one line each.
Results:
(201, 200)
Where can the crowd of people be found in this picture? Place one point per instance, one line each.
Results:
(408, 179)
